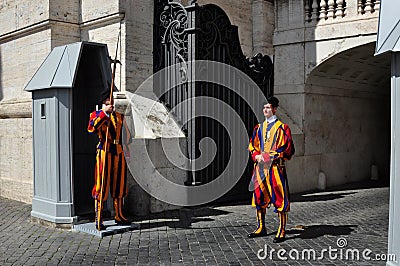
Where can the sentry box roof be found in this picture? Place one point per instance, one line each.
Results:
(60, 68)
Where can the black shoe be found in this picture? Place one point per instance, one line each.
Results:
(101, 227)
(279, 239)
(123, 222)
(253, 234)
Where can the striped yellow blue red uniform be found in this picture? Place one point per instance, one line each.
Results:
(274, 141)
(115, 164)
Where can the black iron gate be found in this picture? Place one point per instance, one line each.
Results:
(183, 35)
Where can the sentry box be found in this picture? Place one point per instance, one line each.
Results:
(65, 89)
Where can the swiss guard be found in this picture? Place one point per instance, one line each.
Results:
(271, 145)
(110, 170)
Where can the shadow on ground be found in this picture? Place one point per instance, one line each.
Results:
(315, 231)
(182, 218)
(336, 192)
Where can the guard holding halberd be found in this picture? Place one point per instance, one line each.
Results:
(110, 169)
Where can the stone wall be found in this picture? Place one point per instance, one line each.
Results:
(346, 134)
(16, 15)
(16, 159)
(17, 65)
(95, 9)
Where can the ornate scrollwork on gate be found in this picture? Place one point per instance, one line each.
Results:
(174, 19)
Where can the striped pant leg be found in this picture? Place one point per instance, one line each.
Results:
(102, 175)
(118, 176)
(118, 184)
(283, 217)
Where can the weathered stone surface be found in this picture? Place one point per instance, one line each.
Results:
(342, 130)
(92, 9)
(139, 42)
(293, 104)
(19, 63)
(67, 10)
(263, 27)
(16, 164)
(289, 64)
(63, 33)
(17, 14)
(290, 14)
(148, 159)
(303, 172)
(16, 109)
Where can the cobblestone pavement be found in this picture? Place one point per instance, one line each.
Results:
(213, 235)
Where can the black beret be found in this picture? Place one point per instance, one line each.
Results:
(273, 101)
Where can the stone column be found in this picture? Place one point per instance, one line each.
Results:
(394, 207)
(263, 26)
(139, 16)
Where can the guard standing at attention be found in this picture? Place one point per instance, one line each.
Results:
(270, 146)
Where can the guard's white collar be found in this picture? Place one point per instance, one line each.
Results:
(271, 119)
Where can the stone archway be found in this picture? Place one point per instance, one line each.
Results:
(347, 115)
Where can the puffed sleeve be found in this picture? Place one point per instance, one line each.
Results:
(284, 147)
(96, 119)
